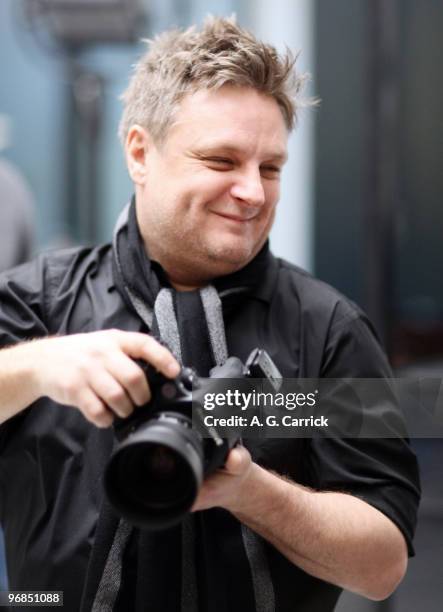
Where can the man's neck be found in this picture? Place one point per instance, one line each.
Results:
(181, 287)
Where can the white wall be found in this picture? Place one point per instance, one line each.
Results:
(291, 23)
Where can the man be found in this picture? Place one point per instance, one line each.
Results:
(288, 523)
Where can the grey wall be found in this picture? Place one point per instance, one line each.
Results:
(340, 144)
(342, 137)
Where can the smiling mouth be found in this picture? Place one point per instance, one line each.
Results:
(234, 217)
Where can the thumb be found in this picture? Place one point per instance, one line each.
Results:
(238, 460)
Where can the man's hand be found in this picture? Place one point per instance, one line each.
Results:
(94, 372)
(224, 487)
(333, 536)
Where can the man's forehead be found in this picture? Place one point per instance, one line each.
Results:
(243, 102)
(233, 119)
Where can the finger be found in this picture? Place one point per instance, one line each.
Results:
(111, 393)
(131, 377)
(93, 409)
(238, 460)
(142, 346)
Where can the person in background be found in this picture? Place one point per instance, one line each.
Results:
(17, 231)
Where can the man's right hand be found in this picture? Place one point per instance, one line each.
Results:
(95, 372)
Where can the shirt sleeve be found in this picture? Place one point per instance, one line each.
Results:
(22, 316)
(22, 305)
(381, 471)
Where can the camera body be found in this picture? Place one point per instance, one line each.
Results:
(160, 459)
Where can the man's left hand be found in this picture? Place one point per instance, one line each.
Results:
(224, 487)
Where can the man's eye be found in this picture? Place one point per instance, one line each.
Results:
(220, 162)
(270, 171)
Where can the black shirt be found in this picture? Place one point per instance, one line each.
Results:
(52, 459)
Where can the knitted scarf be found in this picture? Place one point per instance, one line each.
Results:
(184, 568)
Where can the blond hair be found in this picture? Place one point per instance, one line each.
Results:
(220, 53)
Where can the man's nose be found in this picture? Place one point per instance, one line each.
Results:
(248, 187)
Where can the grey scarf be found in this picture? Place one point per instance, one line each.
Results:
(160, 308)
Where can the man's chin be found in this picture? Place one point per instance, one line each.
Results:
(231, 257)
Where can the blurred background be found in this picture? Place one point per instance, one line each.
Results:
(361, 205)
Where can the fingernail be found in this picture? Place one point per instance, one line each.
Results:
(173, 368)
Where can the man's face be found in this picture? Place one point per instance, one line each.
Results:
(206, 196)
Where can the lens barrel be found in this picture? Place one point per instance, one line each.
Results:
(154, 475)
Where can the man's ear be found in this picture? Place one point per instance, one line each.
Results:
(136, 149)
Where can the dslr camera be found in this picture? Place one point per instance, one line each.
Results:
(160, 459)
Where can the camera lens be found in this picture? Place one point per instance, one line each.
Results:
(154, 476)
(160, 463)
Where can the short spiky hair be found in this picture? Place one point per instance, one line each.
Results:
(220, 53)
